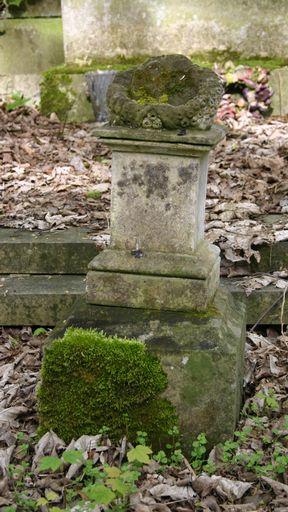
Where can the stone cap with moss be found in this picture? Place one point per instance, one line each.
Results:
(167, 92)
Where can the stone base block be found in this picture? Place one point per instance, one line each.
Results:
(116, 278)
(202, 354)
(136, 291)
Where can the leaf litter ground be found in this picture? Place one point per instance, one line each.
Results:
(54, 177)
(249, 474)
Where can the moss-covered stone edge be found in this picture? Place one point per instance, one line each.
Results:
(102, 64)
(90, 380)
(206, 59)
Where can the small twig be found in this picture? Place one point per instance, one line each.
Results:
(282, 310)
(177, 501)
(188, 466)
(62, 127)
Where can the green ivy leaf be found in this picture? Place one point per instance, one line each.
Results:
(99, 494)
(130, 476)
(112, 471)
(73, 456)
(50, 462)
(39, 331)
(118, 486)
(41, 502)
(51, 495)
(140, 454)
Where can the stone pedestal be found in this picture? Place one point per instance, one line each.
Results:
(157, 258)
(159, 279)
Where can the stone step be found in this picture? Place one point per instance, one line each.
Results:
(273, 257)
(58, 252)
(263, 306)
(69, 252)
(38, 299)
(45, 300)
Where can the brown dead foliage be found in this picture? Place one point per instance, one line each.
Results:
(47, 170)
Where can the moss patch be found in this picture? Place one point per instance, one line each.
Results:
(90, 380)
(56, 94)
(119, 64)
(144, 98)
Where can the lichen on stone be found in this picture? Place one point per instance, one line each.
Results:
(89, 380)
(171, 89)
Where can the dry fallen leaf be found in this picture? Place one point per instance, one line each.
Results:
(173, 492)
(5, 457)
(226, 488)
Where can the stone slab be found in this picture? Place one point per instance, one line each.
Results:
(82, 109)
(37, 300)
(197, 266)
(30, 45)
(202, 354)
(264, 306)
(27, 84)
(274, 257)
(98, 82)
(157, 148)
(58, 252)
(195, 137)
(153, 292)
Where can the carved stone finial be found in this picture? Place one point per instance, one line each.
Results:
(167, 92)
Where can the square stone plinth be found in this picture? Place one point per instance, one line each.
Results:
(158, 187)
(202, 354)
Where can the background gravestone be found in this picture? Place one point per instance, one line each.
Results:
(279, 85)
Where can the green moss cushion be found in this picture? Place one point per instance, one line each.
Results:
(90, 380)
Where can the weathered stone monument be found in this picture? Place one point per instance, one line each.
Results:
(159, 279)
(159, 274)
